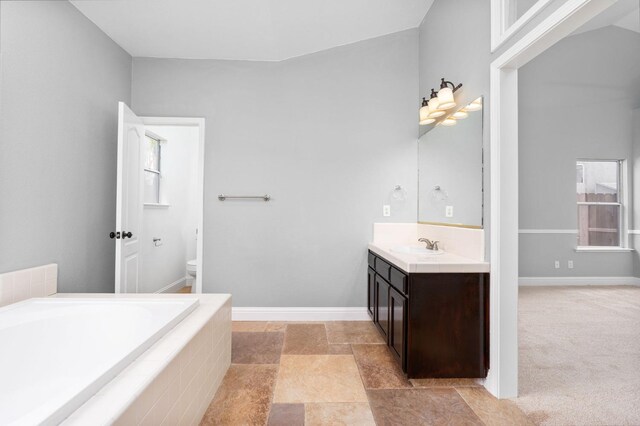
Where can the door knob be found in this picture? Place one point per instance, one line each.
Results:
(115, 235)
(127, 234)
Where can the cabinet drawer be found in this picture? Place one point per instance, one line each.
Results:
(382, 268)
(372, 260)
(399, 280)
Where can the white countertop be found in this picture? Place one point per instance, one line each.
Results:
(425, 263)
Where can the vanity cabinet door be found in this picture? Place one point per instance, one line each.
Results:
(397, 325)
(371, 293)
(382, 305)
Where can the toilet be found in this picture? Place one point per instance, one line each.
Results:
(192, 267)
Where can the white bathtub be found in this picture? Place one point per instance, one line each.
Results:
(56, 353)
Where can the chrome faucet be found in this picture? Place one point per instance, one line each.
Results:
(431, 245)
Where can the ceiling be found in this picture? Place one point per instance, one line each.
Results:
(266, 30)
(623, 14)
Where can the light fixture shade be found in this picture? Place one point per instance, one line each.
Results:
(424, 113)
(434, 111)
(459, 115)
(445, 98)
(433, 103)
(426, 121)
(449, 122)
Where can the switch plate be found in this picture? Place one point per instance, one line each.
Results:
(386, 210)
(448, 211)
(570, 264)
(557, 264)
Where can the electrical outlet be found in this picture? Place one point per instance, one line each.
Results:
(448, 211)
(570, 264)
(386, 210)
(557, 264)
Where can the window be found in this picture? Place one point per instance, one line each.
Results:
(152, 169)
(599, 203)
(509, 16)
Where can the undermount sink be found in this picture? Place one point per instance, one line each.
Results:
(415, 250)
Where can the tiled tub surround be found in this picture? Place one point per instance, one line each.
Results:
(173, 382)
(463, 247)
(24, 284)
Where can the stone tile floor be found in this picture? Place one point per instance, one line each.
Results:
(339, 373)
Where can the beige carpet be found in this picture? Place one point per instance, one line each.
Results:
(580, 355)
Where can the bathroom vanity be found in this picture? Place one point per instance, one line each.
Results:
(432, 310)
(432, 306)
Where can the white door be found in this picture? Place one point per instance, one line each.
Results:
(129, 199)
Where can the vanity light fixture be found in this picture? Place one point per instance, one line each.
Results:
(424, 113)
(445, 94)
(439, 102)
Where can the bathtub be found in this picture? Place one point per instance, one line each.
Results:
(58, 352)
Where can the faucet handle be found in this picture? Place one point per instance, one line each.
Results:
(434, 245)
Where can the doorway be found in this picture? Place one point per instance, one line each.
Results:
(502, 380)
(160, 200)
(578, 299)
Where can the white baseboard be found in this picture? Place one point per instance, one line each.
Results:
(174, 286)
(299, 314)
(560, 281)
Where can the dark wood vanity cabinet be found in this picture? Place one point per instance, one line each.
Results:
(436, 324)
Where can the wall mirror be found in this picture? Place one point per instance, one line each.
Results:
(450, 170)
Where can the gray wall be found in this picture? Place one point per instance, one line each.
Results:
(463, 56)
(327, 135)
(61, 81)
(576, 101)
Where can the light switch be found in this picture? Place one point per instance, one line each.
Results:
(570, 264)
(448, 211)
(386, 210)
(557, 264)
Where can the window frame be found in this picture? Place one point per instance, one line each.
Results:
(502, 29)
(621, 203)
(158, 172)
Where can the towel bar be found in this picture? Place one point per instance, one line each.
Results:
(223, 197)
